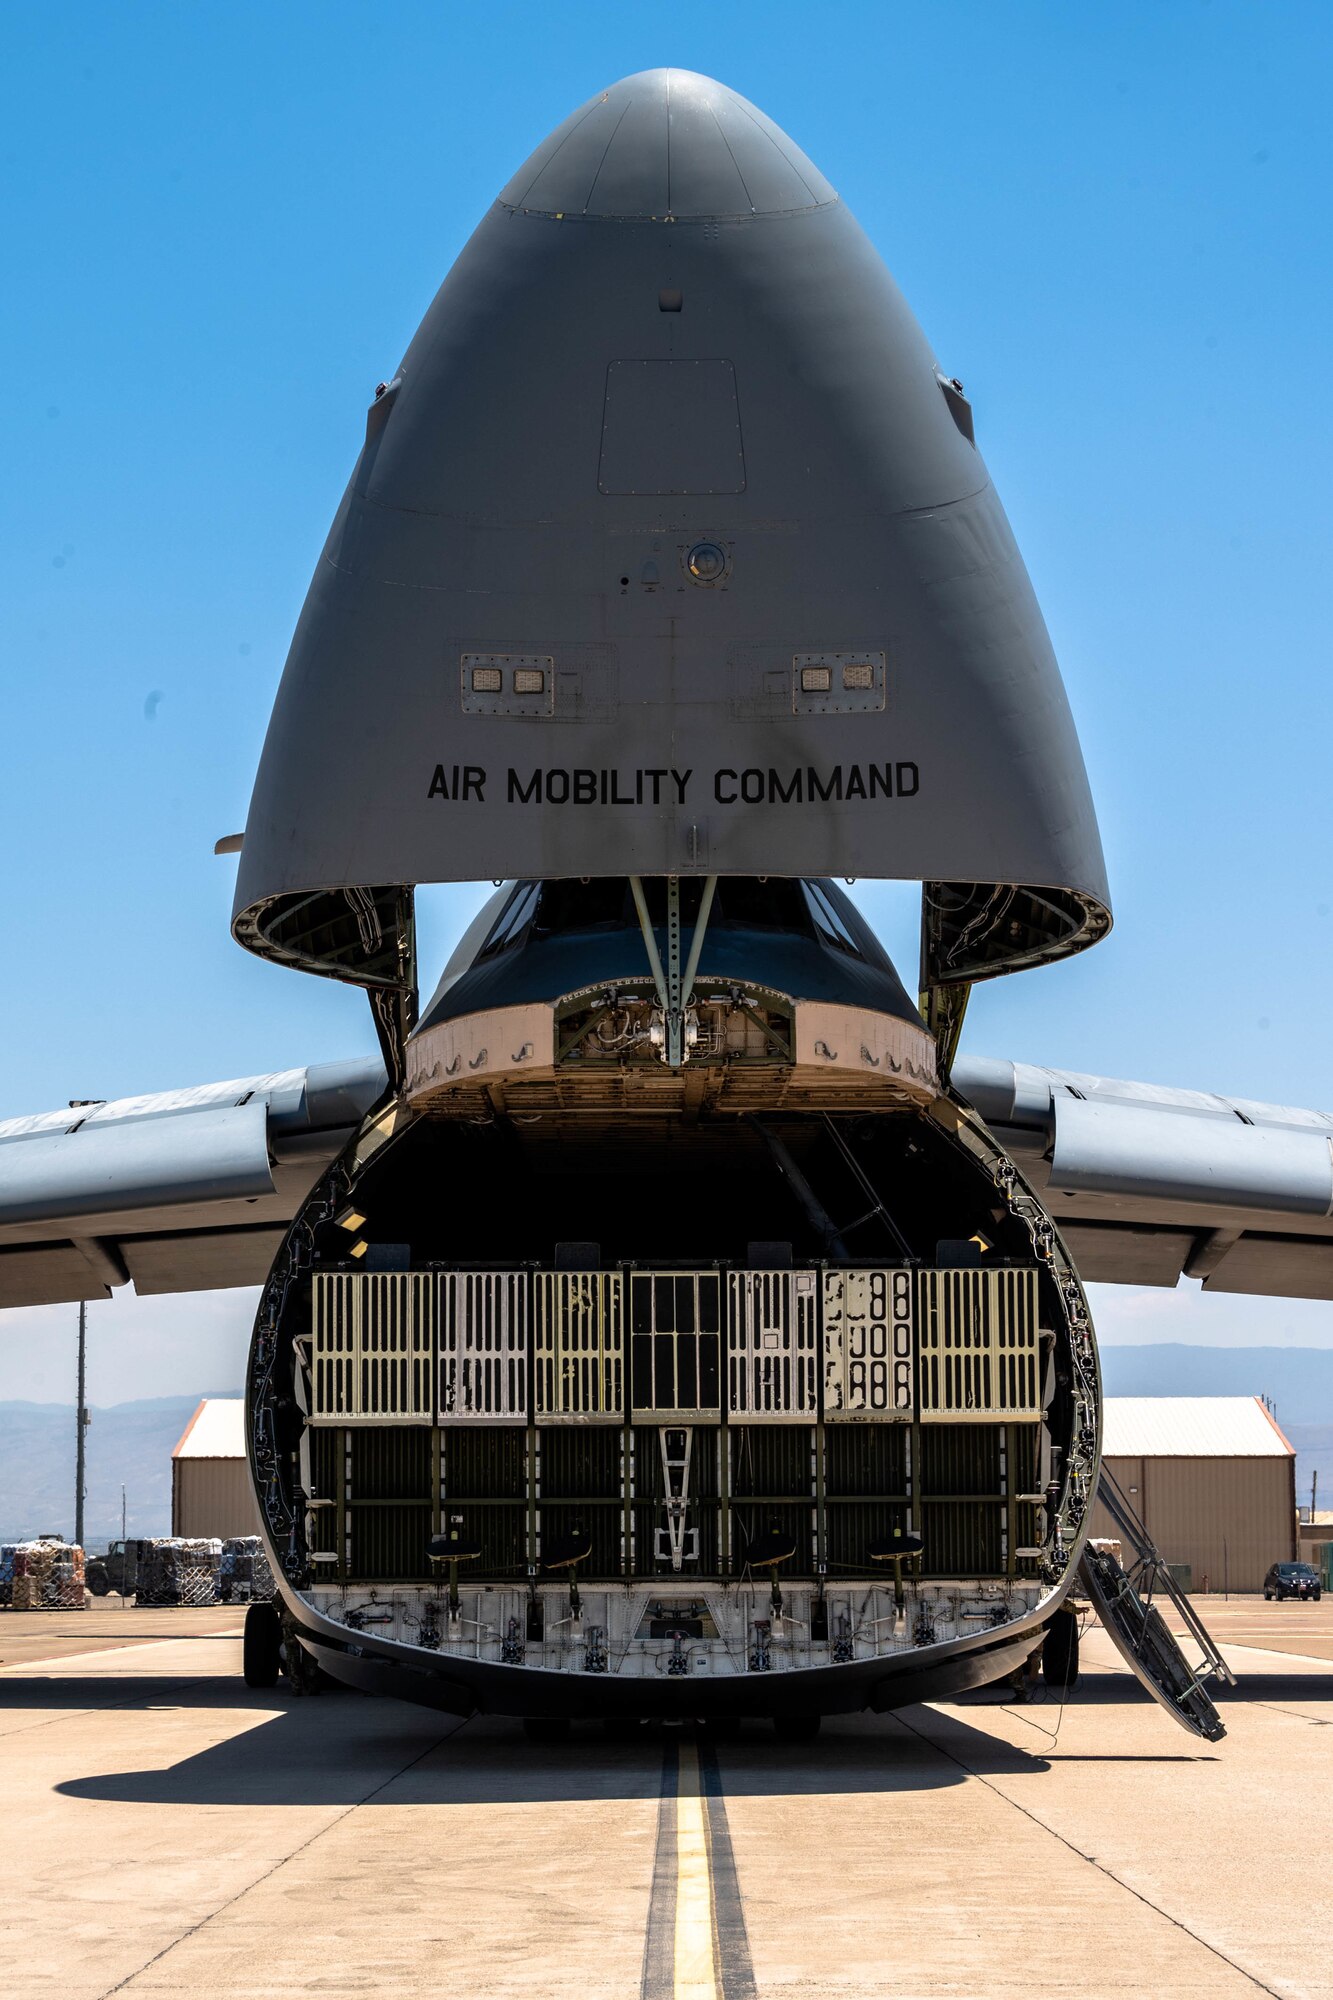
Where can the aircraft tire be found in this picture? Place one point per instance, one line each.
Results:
(1059, 1651)
(260, 1655)
(798, 1728)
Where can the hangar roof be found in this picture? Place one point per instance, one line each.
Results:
(216, 1430)
(1191, 1427)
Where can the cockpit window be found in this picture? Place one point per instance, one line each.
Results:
(746, 903)
(512, 921)
(555, 908)
(601, 903)
(604, 902)
(828, 924)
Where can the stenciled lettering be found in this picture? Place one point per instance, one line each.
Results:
(659, 785)
(469, 783)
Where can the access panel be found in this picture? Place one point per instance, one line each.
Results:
(980, 1345)
(676, 1344)
(373, 1348)
(869, 1344)
(484, 1347)
(579, 1346)
(773, 1346)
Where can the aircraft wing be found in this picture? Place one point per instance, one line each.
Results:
(188, 1190)
(1146, 1183)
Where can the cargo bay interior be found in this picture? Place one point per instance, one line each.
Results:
(480, 1443)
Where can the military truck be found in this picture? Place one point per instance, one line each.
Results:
(116, 1570)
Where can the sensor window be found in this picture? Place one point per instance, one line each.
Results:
(842, 683)
(508, 684)
(707, 563)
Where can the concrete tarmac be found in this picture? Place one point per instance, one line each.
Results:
(169, 1833)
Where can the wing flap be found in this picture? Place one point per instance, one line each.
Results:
(1274, 1267)
(49, 1274)
(205, 1260)
(1110, 1255)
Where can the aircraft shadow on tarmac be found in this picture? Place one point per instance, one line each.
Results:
(340, 1750)
(1115, 1688)
(343, 1749)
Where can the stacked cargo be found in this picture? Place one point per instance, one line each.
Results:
(46, 1576)
(245, 1576)
(179, 1570)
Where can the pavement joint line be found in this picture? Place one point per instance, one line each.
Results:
(1091, 1859)
(101, 1708)
(193, 1930)
(659, 1942)
(1238, 1646)
(1275, 1708)
(1277, 1653)
(114, 1652)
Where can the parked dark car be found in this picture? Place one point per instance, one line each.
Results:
(1293, 1580)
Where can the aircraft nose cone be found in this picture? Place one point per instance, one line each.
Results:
(667, 144)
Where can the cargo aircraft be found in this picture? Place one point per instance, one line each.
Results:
(673, 1323)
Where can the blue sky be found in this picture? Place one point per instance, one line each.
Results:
(222, 224)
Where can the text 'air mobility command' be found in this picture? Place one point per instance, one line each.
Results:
(663, 786)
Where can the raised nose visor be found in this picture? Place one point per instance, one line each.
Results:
(667, 145)
(665, 543)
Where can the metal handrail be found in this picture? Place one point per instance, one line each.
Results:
(1149, 1567)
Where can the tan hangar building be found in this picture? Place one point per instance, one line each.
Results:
(211, 1492)
(1212, 1478)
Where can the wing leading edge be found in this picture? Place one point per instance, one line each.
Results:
(190, 1190)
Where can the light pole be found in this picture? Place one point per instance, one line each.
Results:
(82, 1424)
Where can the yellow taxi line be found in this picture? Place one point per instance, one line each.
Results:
(696, 1971)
